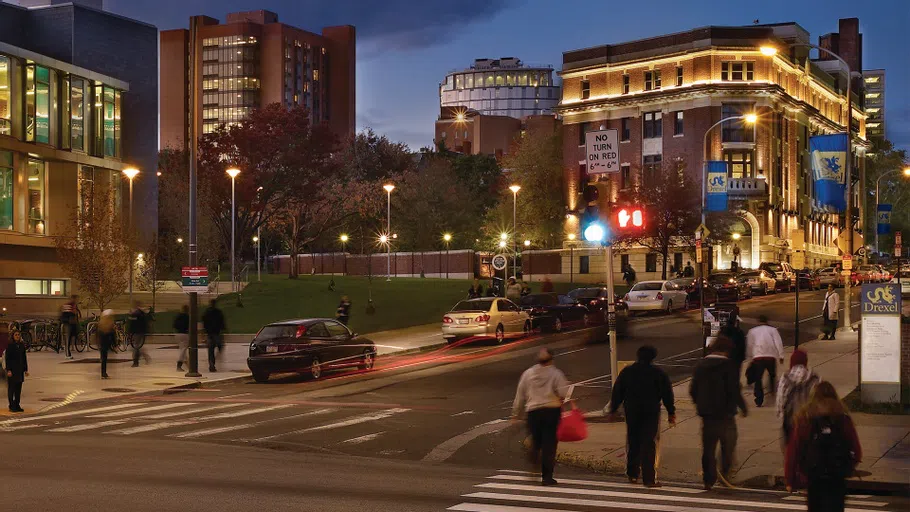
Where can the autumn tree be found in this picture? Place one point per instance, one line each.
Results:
(97, 252)
(895, 190)
(370, 156)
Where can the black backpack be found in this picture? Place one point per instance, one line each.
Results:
(829, 454)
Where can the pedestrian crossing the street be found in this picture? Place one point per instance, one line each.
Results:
(520, 491)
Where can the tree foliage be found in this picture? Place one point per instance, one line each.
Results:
(895, 190)
(152, 269)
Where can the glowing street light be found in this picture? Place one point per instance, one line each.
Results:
(736, 236)
(179, 240)
(571, 236)
(502, 244)
(131, 173)
(383, 239)
(527, 243)
(447, 238)
(388, 187)
(233, 172)
(503, 236)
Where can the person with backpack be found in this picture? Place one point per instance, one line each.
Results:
(823, 451)
(794, 390)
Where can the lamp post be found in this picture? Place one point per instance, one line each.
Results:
(515, 189)
(344, 256)
(131, 173)
(258, 272)
(447, 238)
(905, 172)
(502, 245)
(571, 257)
(388, 188)
(233, 172)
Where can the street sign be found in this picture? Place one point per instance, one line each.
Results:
(897, 238)
(602, 151)
(703, 230)
(861, 251)
(799, 259)
(898, 250)
(195, 279)
(880, 341)
(698, 251)
(499, 262)
(858, 242)
(848, 262)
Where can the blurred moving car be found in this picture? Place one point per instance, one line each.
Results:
(904, 277)
(761, 281)
(783, 274)
(690, 285)
(868, 274)
(729, 287)
(808, 280)
(656, 296)
(830, 275)
(312, 345)
(554, 312)
(485, 318)
(885, 273)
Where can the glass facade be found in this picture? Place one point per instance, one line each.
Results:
(230, 81)
(37, 205)
(515, 92)
(77, 114)
(5, 97)
(6, 190)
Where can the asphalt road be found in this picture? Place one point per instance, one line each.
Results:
(420, 432)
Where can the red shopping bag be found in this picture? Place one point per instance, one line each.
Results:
(572, 426)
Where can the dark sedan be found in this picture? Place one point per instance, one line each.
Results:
(808, 280)
(594, 298)
(690, 285)
(554, 312)
(729, 287)
(312, 346)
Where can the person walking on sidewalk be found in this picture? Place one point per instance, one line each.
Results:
(640, 389)
(139, 328)
(541, 392)
(343, 313)
(764, 349)
(823, 451)
(733, 331)
(69, 324)
(628, 275)
(794, 390)
(829, 313)
(214, 325)
(182, 328)
(715, 391)
(16, 370)
(107, 338)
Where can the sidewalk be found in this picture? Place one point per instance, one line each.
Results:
(54, 381)
(885, 439)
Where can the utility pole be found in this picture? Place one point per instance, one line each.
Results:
(193, 370)
(611, 314)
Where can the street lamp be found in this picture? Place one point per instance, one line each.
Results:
(515, 189)
(233, 172)
(131, 173)
(502, 244)
(447, 238)
(388, 188)
(736, 236)
(344, 256)
(527, 243)
(906, 172)
(179, 240)
(258, 271)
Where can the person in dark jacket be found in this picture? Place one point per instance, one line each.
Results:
(343, 313)
(640, 389)
(139, 328)
(736, 334)
(213, 322)
(182, 328)
(107, 338)
(715, 391)
(16, 370)
(69, 324)
(688, 271)
(476, 290)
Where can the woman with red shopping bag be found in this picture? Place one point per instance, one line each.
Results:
(541, 392)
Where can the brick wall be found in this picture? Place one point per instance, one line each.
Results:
(432, 263)
(905, 353)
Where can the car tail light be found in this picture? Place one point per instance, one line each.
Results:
(301, 331)
(447, 320)
(482, 318)
(626, 298)
(660, 296)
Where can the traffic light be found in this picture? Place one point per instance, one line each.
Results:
(631, 218)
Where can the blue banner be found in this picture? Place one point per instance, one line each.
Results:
(884, 219)
(829, 157)
(717, 187)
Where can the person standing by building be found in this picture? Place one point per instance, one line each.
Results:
(214, 325)
(343, 313)
(830, 313)
(541, 392)
(628, 275)
(476, 290)
(513, 291)
(69, 324)
(794, 390)
(688, 271)
(107, 337)
(640, 389)
(764, 349)
(823, 451)
(182, 328)
(138, 329)
(16, 359)
(715, 391)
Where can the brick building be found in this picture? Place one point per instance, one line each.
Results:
(251, 61)
(663, 93)
(473, 133)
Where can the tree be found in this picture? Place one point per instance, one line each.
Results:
(373, 157)
(153, 269)
(895, 190)
(98, 255)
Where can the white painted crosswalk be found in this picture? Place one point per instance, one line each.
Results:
(518, 491)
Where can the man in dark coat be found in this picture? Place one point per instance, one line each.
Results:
(640, 389)
(736, 334)
(139, 328)
(16, 370)
(214, 324)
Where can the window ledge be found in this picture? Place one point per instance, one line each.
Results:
(625, 141)
(679, 136)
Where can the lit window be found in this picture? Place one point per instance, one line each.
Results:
(6, 190)
(585, 89)
(316, 74)
(652, 80)
(36, 198)
(678, 123)
(737, 71)
(5, 127)
(873, 95)
(871, 79)
(48, 287)
(37, 104)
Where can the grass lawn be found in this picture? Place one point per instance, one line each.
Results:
(403, 302)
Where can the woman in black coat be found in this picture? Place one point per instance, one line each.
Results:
(16, 370)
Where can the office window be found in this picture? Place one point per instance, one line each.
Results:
(64, 121)
(582, 130)
(678, 123)
(650, 169)
(737, 71)
(678, 261)
(737, 131)
(679, 76)
(585, 89)
(36, 197)
(625, 84)
(6, 190)
(626, 132)
(51, 287)
(625, 177)
(584, 264)
(459, 82)
(5, 98)
(37, 104)
(651, 262)
(652, 125)
(623, 261)
(739, 163)
(652, 80)
(109, 125)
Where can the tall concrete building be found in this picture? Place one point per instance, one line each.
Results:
(78, 104)
(251, 61)
(663, 93)
(875, 103)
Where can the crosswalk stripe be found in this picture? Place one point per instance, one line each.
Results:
(860, 501)
(666, 488)
(119, 414)
(362, 439)
(230, 428)
(87, 426)
(353, 420)
(22, 427)
(480, 507)
(194, 411)
(189, 421)
(43, 417)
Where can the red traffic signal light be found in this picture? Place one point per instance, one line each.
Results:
(630, 218)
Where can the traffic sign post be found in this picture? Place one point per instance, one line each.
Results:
(848, 262)
(602, 151)
(500, 262)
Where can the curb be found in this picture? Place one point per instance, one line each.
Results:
(200, 384)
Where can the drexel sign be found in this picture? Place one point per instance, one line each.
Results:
(881, 299)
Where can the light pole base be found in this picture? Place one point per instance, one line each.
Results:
(193, 374)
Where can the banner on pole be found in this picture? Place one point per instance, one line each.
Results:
(829, 158)
(883, 216)
(717, 187)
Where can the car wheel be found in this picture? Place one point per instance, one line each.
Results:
(316, 368)
(527, 329)
(368, 360)
(669, 306)
(557, 325)
(261, 377)
(500, 333)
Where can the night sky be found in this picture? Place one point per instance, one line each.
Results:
(406, 47)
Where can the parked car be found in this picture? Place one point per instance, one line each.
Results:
(485, 318)
(904, 277)
(729, 287)
(656, 296)
(761, 281)
(690, 285)
(783, 274)
(313, 345)
(808, 280)
(594, 298)
(830, 275)
(554, 312)
(868, 274)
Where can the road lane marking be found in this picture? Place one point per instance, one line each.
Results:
(231, 428)
(448, 448)
(860, 501)
(42, 417)
(237, 414)
(595, 483)
(353, 420)
(22, 427)
(462, 413)
(179, 423)
(571, 351)
(232, 396)
(88, 426)
(193, 411)
(119, 414)
(362, 439)
(621, 505)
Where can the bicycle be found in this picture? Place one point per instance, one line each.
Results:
(86, 336)
(52, 333)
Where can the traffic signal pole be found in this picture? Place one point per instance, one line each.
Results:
(611, 309)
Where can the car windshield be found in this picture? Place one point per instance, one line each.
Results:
(647, 287)
(271, 332)
(684, 283)
(720, 278)
(750, 274)
(539, 300)
(474, 305)
(585, 293)
(774, 267)
(869, 268)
